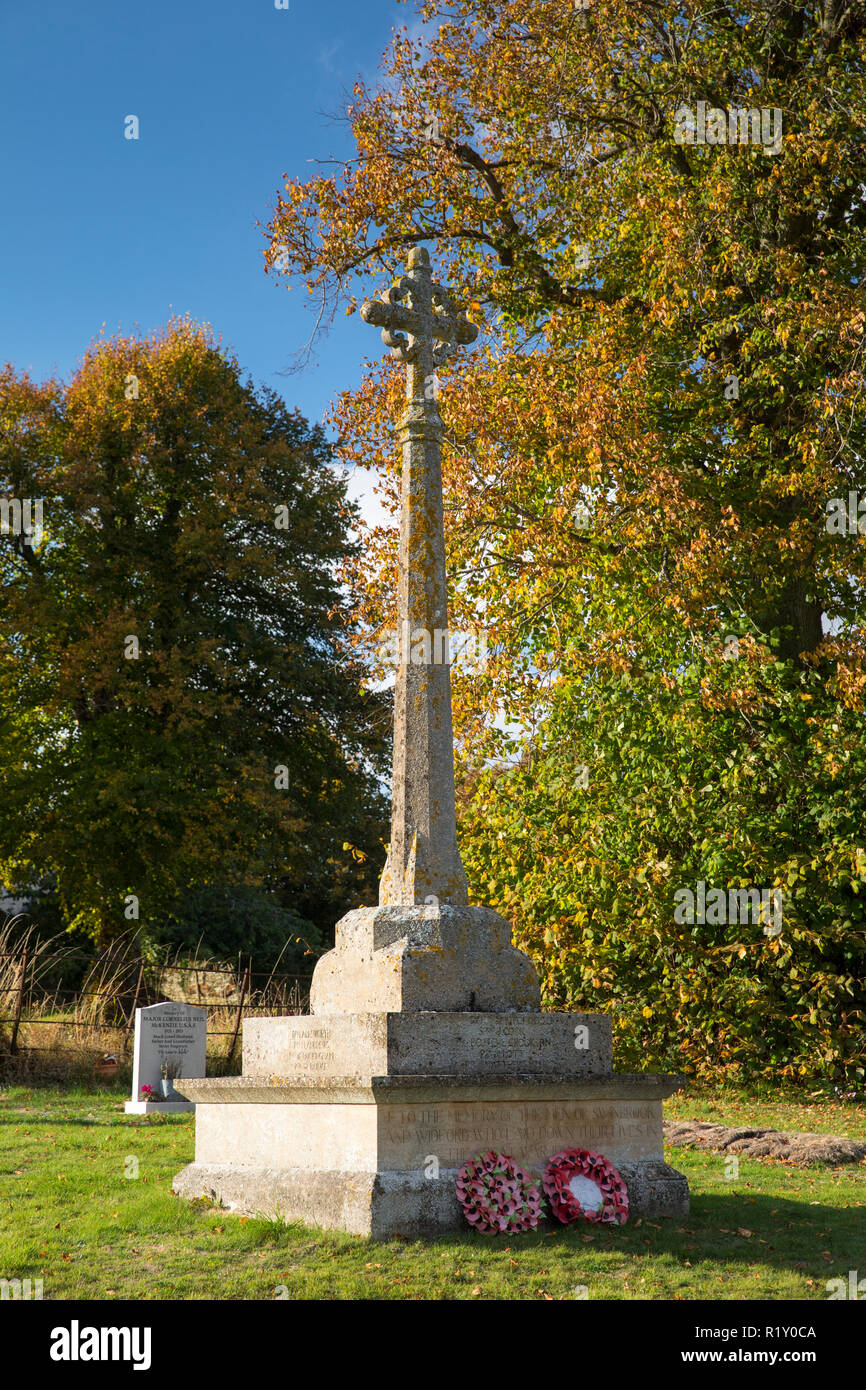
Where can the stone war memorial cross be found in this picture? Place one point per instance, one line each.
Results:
(423, 859)
(426, 1045)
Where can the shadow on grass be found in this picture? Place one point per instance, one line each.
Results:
(776, 1232)
(16, 1107)
(58, 1119)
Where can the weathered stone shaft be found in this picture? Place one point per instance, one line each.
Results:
(423, 860)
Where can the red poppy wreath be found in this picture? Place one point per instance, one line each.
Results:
(496, 1195)
(580, 1183)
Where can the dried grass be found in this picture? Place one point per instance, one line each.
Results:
(63, 1039)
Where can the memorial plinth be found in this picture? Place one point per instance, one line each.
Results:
(359, 1119)
(426, 1045)
(379, 1156)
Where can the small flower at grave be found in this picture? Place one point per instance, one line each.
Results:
(496, 1195)
(581, 1184)
(147, 1093)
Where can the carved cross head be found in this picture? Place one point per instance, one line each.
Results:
(419, 320)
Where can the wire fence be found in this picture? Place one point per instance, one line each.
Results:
(117, 982)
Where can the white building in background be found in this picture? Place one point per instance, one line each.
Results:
(12, 906)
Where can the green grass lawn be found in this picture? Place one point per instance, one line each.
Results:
(86, 1202)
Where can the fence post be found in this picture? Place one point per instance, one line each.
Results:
(13, 1044)
(239, 1017)
(131, 1022)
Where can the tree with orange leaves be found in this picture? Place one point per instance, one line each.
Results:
(654, 486)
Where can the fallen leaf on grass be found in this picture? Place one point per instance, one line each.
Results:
(741, 1231)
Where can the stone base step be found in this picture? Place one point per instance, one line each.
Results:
(156, 1107)
(390, 1205)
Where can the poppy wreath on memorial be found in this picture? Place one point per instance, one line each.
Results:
(496, 1195)
(569, 1179)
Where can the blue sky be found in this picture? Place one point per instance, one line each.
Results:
(100, 230)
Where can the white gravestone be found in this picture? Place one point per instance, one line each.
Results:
(166, 1033)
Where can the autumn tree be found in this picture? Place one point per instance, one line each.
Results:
(179, 709)
(658, 211)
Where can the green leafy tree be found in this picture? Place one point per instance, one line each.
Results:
(178, 704)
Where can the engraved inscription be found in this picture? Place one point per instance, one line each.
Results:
(174, 1036)
(310, 1051)
(529, 1132)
